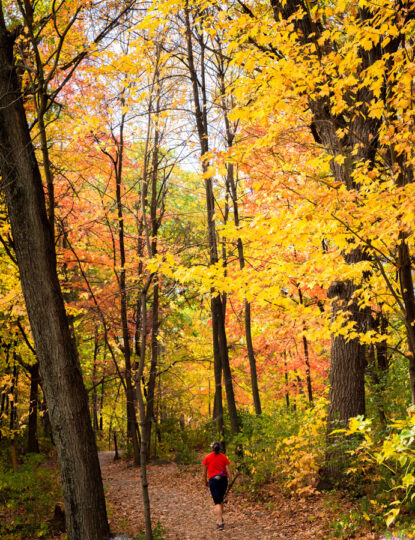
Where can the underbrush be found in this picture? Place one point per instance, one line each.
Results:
(384, 465)
(184, 444)
(283, 447)
(27, 498)
(288, 448)
(158, 533)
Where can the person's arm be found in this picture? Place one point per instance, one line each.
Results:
(205, 475)
(228, 473)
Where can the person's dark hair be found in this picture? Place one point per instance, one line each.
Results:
(216, 447)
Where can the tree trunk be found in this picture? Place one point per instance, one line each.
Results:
(247, 318)
(94, 388)
(101, 421)
(407, 290)
(131, 412)
(35, 251)
(13, 417)
(220, 347)
(232, 187)
(306, 355)
(142, 413)
(348, 356)
(32, 441)
(155, 221)
(379, 365)
(153, 367)
(217, 370)
(227, 375)
(358, 142)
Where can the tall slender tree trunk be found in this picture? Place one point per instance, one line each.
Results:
(131, 412)
(407, 290)
(32, 441)
(153, 367)
(142, 413)
(220, 347)
(247, 306)
(155, 223)
(13, 416)
(306, 354)
(217, 371)
(101, 420)
(232, 187)
(94, 381)
(379, 365)
(59, 368)
(287, 392)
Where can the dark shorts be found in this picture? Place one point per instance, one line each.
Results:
(218, 488)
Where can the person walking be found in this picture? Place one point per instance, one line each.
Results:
(216, 475)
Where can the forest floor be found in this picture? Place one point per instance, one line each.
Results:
(183, 506)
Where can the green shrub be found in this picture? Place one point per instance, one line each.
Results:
(158, 533)
(284, 446)
(184, 444)
(27, 499)
(386, 462)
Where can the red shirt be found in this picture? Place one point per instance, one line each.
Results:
(216, 464)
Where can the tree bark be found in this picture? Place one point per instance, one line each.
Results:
(359, 142)
(348, 363)
(35, 251)
(348, 356)
(131, 411)
(155, 222)
(232, 187)
(153, 368)
(32, 441)
(220, 347)
(407, 290)
(142, 413)
(94, 388)
(379, 365)
(306, 354)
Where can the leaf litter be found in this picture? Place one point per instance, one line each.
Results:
(184, 508)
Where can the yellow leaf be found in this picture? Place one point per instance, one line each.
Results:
(393, 514)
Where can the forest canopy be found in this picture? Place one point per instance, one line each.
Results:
(207, 233)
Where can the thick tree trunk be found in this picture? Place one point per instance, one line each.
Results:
(347, 385)
(61, 375)
(348, 356)
(347, 374)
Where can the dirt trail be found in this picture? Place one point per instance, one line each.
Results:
(184, 508)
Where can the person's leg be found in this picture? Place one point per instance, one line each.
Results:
(219, 513)
(218, 489)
